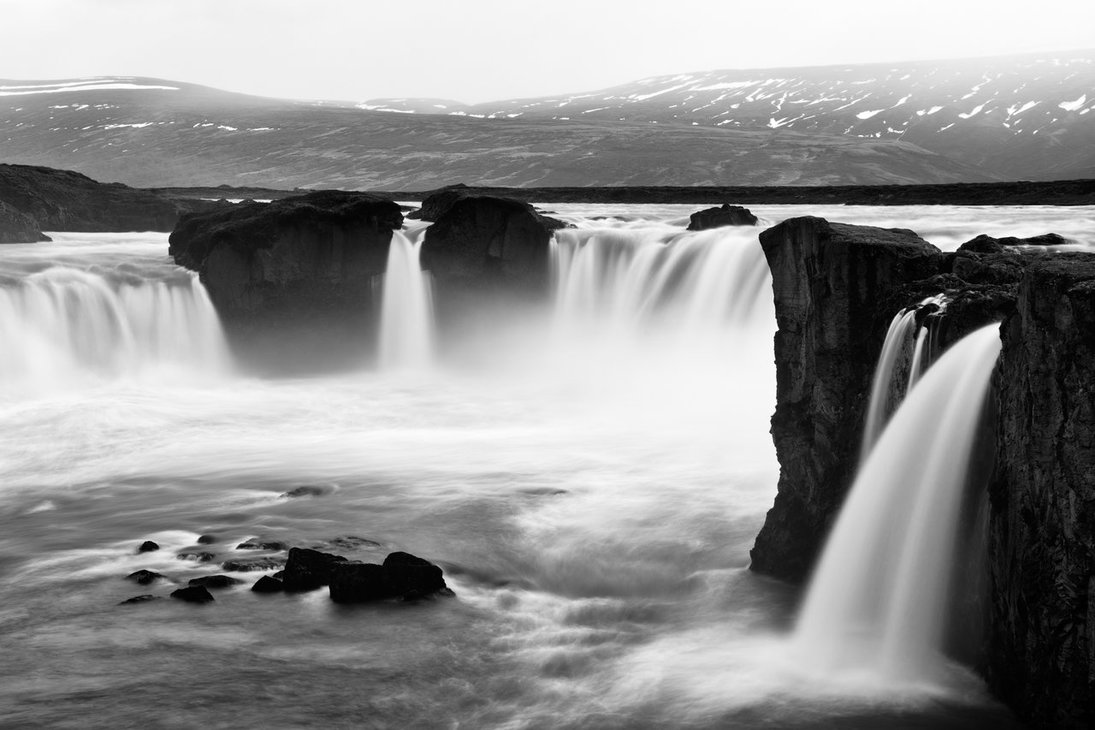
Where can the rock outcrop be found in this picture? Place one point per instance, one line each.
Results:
(724, 215)
(828, 280)
(487, 241)
(1041, 656)
(63, 200)
(402, 577)
(438, 202)
(18, 227)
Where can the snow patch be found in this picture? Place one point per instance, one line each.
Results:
(1071, 106)
(869, 114)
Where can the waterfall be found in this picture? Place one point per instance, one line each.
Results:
(627, 278)
(878, 598)
(63, 324)
(406, 324)
(881, 402)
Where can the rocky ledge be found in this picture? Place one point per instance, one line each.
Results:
(836, 288)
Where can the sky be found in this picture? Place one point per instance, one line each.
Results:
(482, 50)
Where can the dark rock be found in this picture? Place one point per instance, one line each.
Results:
(988, 244)
(62, 200)
(305, 491)
(145, 598)
(402, 576)
(828, 279)
(18, 227)
(1042, 521)
(724, 215)
(144, 577)
(215, 581)
(193, 594)
(147, 547)
(438, 202)
(486, 240)
(349, 542)
(206, 539)
(257, 545)
(252, 564)
(266, 584)
(201, 557)
(309, 569)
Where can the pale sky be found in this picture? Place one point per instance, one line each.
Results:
(480, 50)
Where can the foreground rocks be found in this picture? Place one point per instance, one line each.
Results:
(402, 576)
(724, 215)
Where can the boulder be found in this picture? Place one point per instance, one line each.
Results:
(206, 539)
(144, 598)
(197, 555)
(724, 215)
(309, 569)
(253, 564)
(267, 584)
(214, 581)
(486, 241)
(1042, 496)
(438, 202)
(193, 594)
(255, 544)
(307, 258)
(147, 547)
(828, 280)
(988, 244)
(144, 577)
(18, 227)
(402, 576)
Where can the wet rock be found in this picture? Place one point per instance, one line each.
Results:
(305, 491)
(438, 202)
(258, 545)
(989, 244)
(144, 577)
(267, 584)
(402, 576)
(215, 581)
(144, 598)
(193, 594)
(308, 569)
(252, 564)
(1042, 518)
(724, 215)
(147, 547)
(199, 556)
(349, 542)
(206, 539)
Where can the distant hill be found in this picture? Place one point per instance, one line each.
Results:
(154, 132)
(1019, 117)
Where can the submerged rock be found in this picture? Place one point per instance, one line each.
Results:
(724, 215)
(267, 584)
(147, 547)
(206, 539)
(144, 577)
(402, 576)
(309, 569)
(193, 594)
(144, 598)
(252, 564)
(199, 556)
(258, 545)
(307, 490)
(214, 581)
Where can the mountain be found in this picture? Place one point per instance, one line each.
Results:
(1018, 117)
(154, 132)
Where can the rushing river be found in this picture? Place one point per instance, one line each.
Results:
(590, 477)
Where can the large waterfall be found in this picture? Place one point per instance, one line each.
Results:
(62, 325)
(406, 316)
(878, 599)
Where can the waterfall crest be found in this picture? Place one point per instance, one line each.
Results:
(63, 324)
(406, 324)
(878, 598)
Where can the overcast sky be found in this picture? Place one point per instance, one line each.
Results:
(479, 50)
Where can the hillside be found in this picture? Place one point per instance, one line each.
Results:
(152, 132)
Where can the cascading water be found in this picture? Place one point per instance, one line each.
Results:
(62, 325)
(406, 325)
(878, 598)
(881, 403)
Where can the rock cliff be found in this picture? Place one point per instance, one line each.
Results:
(18, 227)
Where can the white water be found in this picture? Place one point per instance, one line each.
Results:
(877, 602)
(881, 403)
(406, 324)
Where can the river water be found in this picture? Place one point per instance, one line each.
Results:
(590, 476)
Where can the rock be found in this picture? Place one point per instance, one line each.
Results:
(144, 598)
(1042, 496)
(214, 581)
(62, 200)
(438, 202)
(201, 557)
(828, 280)
(402, 576)
(147, 547)
(206, 539)
(308, 569)
(305, 491)
(482, 240)
(988, 244)
(193, 594)
(725, 215)
(144, 577)
(266, 584)
(317, 252)
(252, 564)
(257, 545)
(18, 227)
(349, 542)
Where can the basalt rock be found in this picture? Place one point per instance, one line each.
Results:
(487, 241)
(1042, 523)
(147, 547)
(292, 268)
(309, 569)
(438, 202)
(267, 584)
(18, 227)
(724, 215)
(403, 577)
(193, 594)
(828, 279)
(214, 581)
